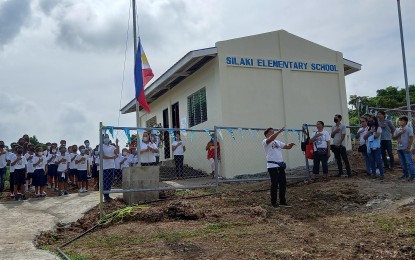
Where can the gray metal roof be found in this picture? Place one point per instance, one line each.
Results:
(190, 63)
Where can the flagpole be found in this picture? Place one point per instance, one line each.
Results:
(137, 105)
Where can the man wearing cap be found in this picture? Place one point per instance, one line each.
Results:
(276, 165)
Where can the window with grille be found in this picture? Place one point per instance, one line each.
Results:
(197, 107)
(151, 122)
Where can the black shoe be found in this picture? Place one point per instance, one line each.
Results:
(349, 176)
(107, 199)
(285, 205)
(382, 178)
(338, 175)
(411, 179)
(24, 197)
(275, 205)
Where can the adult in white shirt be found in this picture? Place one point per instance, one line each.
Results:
(321, 143)
(276, 165)
(148, 151)
(362, 142)
(3, 165)
(178, 152)
(110, 153)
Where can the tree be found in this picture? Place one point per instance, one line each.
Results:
(390, 97)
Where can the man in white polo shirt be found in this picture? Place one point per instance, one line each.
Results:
(276, 165)
(110, 153)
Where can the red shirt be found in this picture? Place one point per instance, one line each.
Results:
(211, 150)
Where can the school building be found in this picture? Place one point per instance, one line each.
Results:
(271, 79)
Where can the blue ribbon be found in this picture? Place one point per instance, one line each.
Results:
(231, 133)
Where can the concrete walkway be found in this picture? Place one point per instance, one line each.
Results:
(20, 222)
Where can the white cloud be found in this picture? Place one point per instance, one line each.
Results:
(61, 63)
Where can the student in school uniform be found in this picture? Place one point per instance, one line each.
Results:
(95, 168)
(82, 163)
(30, 169)
(3, 165)
(11, 169)
(132, 157)
(39, 180)
(18, 161)
(88, 147)
(124, 161)
(52, 168)
(62, 161)
(73, 173)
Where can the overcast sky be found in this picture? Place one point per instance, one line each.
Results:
(61, 61)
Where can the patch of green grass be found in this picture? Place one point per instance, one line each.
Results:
(76, 256)
(184, 192)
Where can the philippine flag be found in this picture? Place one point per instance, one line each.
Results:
(142, 75)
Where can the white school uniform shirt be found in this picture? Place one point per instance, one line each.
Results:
(9, 156)
(63, 166)
(50, 155)
(20, 164)
(3, 159)
(179, 150)
(108, 151)
(273, 152)
(148, 157)
(132, 159)
(126, 163)
(82, 166)
(96, 160)
(42, 165)
(30, 167)
(72, 164)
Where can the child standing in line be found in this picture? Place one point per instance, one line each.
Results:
(62, 160)
(82, 162)
(73, 173)
(30, 169)
(18, 161)
(11, 176)
(39, 181)
(52, 168)
(95, 168)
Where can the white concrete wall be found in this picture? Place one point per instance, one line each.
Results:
(263, 97)
(259, 97)
(207, 77)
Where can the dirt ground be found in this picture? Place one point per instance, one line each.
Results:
(356, 218)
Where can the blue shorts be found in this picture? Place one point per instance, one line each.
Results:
(73, 172)
(82, 175)
(52, 170)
